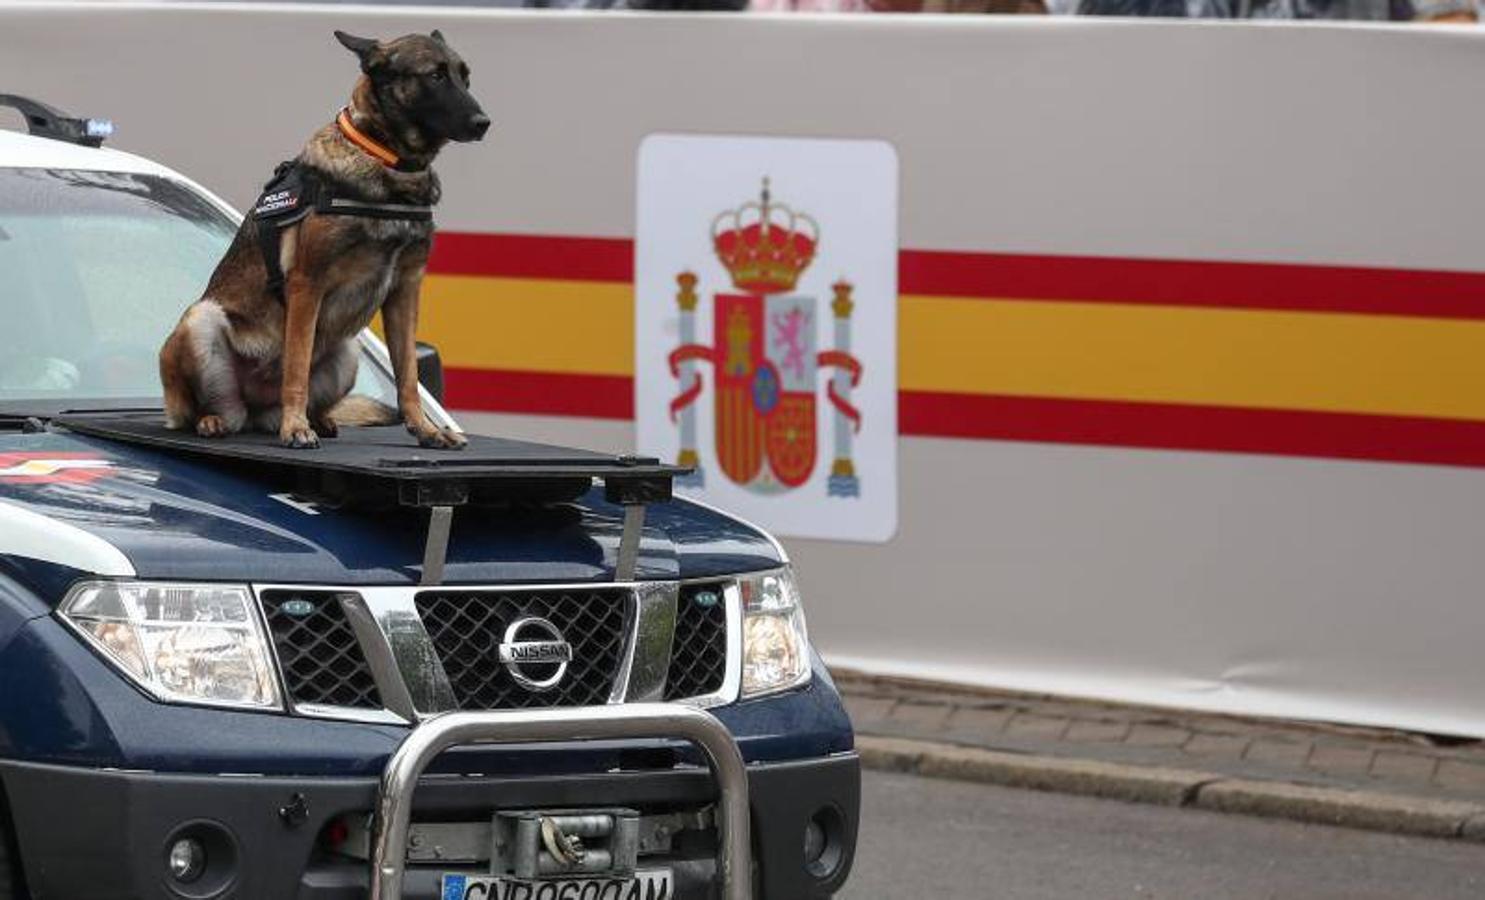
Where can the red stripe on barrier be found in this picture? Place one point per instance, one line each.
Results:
(533, 256)
(539, 393)
(1282, 286)
(1239, 285)
(1182, 427)
(1094, 422)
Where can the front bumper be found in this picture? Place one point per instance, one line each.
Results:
(91, 834)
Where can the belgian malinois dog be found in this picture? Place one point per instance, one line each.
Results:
(281, 357)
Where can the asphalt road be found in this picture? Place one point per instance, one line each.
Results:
(924, 839)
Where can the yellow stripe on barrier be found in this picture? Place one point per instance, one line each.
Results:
(1278, 360)
(1329, 362)
(535, 325)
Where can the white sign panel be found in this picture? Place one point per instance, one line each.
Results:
(766, 327)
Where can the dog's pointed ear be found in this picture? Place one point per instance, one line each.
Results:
(438, 36)
(364, 48)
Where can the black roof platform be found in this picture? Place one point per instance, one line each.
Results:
(380, 467)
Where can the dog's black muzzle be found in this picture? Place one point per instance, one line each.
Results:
(474, 128)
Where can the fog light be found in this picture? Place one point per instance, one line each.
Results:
(814, 842)
(187, 860)
(824, 843)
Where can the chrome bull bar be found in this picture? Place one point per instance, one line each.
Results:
(632, 720)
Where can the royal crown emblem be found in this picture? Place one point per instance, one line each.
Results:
(765, 246)
(764, 356)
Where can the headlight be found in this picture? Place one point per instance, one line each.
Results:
(185, 643)
(775, 644)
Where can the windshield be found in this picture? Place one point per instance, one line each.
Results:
(95, 269)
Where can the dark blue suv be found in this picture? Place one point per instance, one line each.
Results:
(216, 684)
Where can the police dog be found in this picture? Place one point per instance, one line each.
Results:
(247, 356)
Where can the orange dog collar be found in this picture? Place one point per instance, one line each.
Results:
(360, 139)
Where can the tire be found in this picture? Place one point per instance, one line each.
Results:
(7, 885)
(11, 885)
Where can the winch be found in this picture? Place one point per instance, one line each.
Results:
(532, 844)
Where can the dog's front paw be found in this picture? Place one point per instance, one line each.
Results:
(442, 439)
(298, 435)
(326, 428)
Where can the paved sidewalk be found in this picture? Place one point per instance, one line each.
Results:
(1387, 780)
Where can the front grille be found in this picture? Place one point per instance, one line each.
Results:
(467, 628)
(317, 650)
(698, 657)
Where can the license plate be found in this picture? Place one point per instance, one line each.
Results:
(646, 884)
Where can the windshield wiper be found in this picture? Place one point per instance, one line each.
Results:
(21, 422)
(106, 410)
(30, 416)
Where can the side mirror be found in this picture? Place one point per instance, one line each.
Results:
(430, 370)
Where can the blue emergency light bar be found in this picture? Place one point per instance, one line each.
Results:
(47, 121)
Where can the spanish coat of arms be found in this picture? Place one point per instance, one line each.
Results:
(765, 355)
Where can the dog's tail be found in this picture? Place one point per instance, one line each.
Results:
(359, 409)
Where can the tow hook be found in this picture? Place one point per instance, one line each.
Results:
(295, 812)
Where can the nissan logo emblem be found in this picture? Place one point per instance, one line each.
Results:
(534, 653)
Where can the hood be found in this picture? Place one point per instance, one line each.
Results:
(96, 506)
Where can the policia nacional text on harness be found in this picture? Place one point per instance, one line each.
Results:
(296, 190)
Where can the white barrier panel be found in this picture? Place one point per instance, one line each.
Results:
(1189, 379)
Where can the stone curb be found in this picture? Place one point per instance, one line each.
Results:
(1371, 810)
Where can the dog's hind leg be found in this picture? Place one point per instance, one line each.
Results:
(177, 366)
(217, 387)
(331, 379)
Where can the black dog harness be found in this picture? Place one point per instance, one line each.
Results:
(295, 191)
